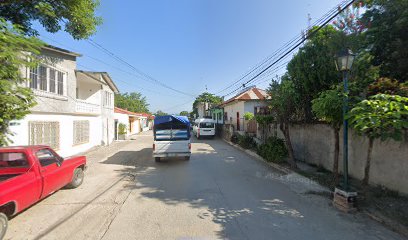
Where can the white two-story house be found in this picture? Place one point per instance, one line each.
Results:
(74, 110)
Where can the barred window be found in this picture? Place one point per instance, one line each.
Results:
(81, 132)
(43, 78)
(44, 133)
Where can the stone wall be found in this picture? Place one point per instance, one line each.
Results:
(314, 143)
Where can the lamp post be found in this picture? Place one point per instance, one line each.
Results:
(344, 62)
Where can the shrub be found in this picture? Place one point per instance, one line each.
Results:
(122, 128)
(273, 150)
(246, 142)
(234, 139)
(248, 116)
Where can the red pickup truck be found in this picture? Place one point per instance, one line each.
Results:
(30, 173)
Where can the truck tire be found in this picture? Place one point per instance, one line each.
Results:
(187, 158)
(157, 159)
(3, 225)
(77, 179)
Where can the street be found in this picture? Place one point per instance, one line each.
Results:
(221, 193)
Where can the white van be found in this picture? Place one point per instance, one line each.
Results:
(171, 137)
(204, 127)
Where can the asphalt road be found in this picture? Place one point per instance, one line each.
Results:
(221, 193)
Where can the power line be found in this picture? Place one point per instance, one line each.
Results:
(294, 41)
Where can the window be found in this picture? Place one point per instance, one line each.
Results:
(206, 125)
(46, 157)
(13, 160)
(107, 99)
(81, 132)
(52, 80)
(225, 116)
(44, 133)
(33, 78)
(47, 79)
(60, 83)
(43, 78)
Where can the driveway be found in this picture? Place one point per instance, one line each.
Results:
(221, 193)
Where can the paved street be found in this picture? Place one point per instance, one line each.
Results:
(221, 193)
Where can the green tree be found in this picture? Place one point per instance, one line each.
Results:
(283, 105)
(184, 113)
(134, 102)
(381, 116)
(77, 16)
(160, 113)
(312, 69)
(15, 100)
(329, 108)
(386, 37)
(210, 98)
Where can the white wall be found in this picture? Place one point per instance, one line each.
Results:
(21, 130)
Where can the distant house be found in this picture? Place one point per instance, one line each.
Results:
(135, 122)
(74, 110)
(250, 100)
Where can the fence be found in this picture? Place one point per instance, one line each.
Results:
(314, 143)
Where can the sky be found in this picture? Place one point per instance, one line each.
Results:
(189, 45)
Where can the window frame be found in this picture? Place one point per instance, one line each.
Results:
(78, 128)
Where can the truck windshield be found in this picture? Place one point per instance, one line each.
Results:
(206, 125)
(13, 160)
(171, 131)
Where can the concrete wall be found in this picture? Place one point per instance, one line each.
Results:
(314, 143)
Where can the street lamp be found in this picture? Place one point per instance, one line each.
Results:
(344, 62)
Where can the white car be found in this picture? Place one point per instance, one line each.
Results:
(204, 127)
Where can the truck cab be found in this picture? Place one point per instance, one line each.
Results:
(171, 137)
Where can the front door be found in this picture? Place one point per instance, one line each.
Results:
(238, 126)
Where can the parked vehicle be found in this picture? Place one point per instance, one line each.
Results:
(171, 137)
(30, 173)
(204, 127)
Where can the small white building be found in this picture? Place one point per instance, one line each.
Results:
(249, 100)
(74, 110)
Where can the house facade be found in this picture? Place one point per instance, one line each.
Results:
(74, 110)
(249, 100)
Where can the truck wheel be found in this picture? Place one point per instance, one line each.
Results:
(187, 158)
(77, 179)
(157, 159)
(3, 225)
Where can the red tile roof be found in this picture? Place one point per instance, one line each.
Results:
(124, 111)
(251, 94)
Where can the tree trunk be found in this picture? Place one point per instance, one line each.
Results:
(284, 127)
(336, 155)
(368, 162)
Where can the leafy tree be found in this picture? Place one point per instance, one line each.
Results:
(77, 16)
(210, 98)
(381, 116)
(387, 37)
(160, 113)
(329, 108)
(134, 102)
(184, 113)
(388, 86)
(312, 69)
(15, 99)
(248, 116)
(283, 105)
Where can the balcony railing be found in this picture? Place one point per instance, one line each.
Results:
(86, 107)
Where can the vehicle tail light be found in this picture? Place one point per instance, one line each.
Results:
(154, 146)
(189, 146)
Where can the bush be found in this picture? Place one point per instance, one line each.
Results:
(273, 150)
(122, 128)
(246, 142)
(248, 116)
(234, 139)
